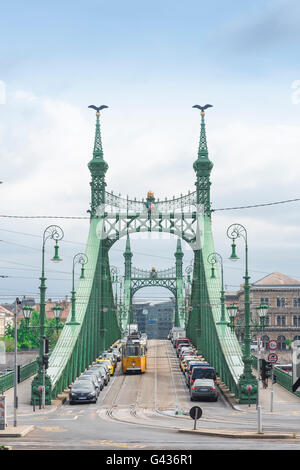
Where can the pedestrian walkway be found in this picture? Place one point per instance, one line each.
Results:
(283, 400)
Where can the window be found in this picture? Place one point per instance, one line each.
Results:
(265, 339)
(281, 343)
(281, 302)
(281, 320)
(267, 320)
(296, 302)
(265, 300)
(296, 320)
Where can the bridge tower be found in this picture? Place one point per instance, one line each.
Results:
(202, 167)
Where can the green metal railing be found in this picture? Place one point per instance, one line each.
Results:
(282, 378)
(26, 371)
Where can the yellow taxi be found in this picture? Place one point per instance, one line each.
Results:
(185, 361)
(108, 362)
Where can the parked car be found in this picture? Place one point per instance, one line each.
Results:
(202, 372)
(107, 362)
(104, 373)
(185, 352)
(83, 391)
(90, 378)
(116, 352)
(204, 388)
(97, 374)
(104, 366)
(184, 363)
(189, 369)
(180, 346)
(110, 355)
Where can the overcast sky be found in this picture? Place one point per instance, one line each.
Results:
(150, 62)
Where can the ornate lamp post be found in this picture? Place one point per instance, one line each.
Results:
(27, 313)
(82, 259)
(212, 259)
(232, 311)
(55, 233)
(247, 382)
(57, 311)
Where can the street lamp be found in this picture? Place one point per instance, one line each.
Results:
(247, 379)
(212, 259)
(27, 313)
(55, 233)
(232, 311)
(57, 311)
(79, 258)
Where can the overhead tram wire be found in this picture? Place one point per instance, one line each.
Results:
(87, 217)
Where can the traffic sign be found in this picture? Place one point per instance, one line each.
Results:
(272, 344)
(195, 413)
(272, 357)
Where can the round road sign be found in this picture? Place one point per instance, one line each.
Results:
(272, 357)
(272, 344)
(195, 412)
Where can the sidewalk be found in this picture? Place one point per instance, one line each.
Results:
(24, 408)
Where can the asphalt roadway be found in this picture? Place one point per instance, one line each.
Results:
(150, 412)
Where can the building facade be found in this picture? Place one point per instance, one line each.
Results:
(282, 295)
(155, 320)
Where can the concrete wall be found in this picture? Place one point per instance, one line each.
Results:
(24, 357)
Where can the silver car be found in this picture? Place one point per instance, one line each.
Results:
(204, 388)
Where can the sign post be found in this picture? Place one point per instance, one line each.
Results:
(2, 412)
(272, 358)
(195, 413)
(296, 366)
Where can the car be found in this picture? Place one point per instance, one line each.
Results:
(103, 373)
(104, 366)
(189, 369)
(185, 352)
(82, 391)
(254, 346)
(117, 352)
(108, 362)
(182, 345)
(110, 355)
(90, 378)
(204, 388)
(182, 340)
(184, 363)
(202, 372)
(97, 375)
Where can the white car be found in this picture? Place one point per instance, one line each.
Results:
(254, 346)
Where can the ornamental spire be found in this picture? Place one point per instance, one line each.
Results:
(203, 165)
(202, 150)
(98, 168)
(127, 257)
(98, 150)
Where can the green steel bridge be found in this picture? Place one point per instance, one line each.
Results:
(98, 324)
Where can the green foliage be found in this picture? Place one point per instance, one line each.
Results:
(29, 336)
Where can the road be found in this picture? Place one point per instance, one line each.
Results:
(145, 411)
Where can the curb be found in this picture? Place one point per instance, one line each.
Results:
(19, 431)
(237, 434)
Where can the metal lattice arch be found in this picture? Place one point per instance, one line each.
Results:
(111, 218)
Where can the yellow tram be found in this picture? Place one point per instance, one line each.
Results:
(134, 353)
